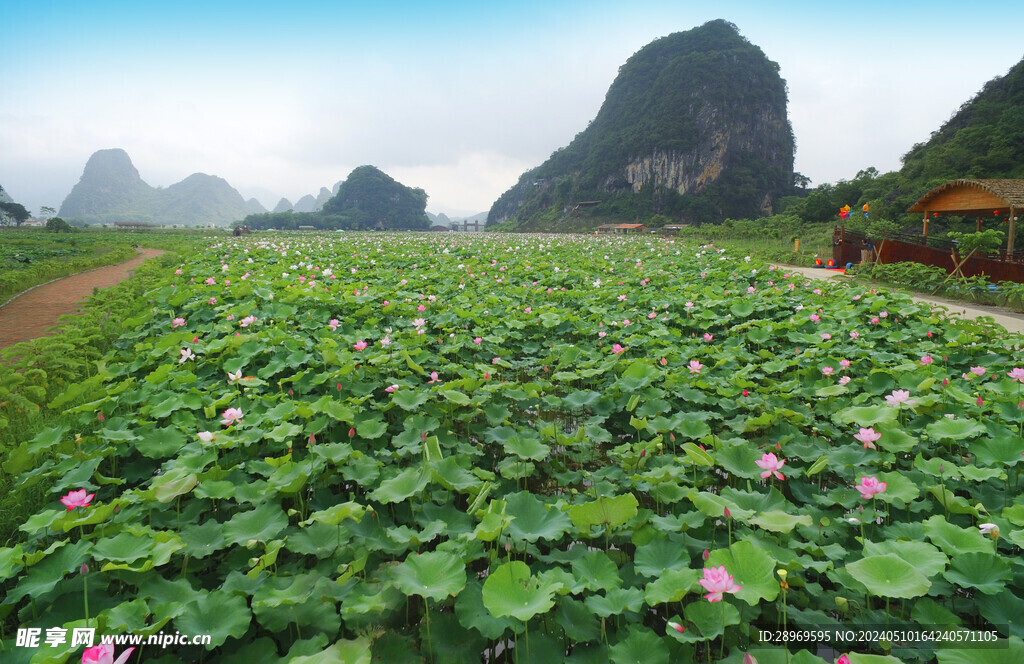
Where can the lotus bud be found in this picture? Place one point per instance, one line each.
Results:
(749, 659)
(84, 569)
(676, 626)
(706, 554)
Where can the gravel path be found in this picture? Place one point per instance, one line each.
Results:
(35, 311)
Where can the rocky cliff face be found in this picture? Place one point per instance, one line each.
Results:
(694, 127)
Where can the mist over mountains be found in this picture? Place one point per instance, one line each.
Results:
(111, 190)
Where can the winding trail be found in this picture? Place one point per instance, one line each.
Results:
(1012, 321)
(32, 313)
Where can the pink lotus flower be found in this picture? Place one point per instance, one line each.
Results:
(695, 366)
(926, 360)
(478, 341)
(419, 322)
(717, 582)
(868, 437)
(652, 315)
(206, 436)
(826, 336)
(616, 348)
(827, 371)
(844, 659)
(433, 377)
(844, 364)
(663, 361)
(771, 465)
(898, 397)
(234, 377)
(602, 334)
(874, 320)
(854, 335)
(333, 324)
(77, 499)
(247, 321)
(1017, 373)
(104, 654)
(211, 281)
(230, 416)
(707, 337)
(815, 318)
(978, 371)
(186, 355)
(869, 486)
(359, 345)
(177, 322)
(390, 389)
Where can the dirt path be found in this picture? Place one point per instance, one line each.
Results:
(30, 314)
(1012, 321)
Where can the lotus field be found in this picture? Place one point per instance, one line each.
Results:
(463, 448)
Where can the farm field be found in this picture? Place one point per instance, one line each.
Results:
(510, 448)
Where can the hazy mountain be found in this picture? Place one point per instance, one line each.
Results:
(111, 189)
(306, 204)
(283, 205)
(693, 127)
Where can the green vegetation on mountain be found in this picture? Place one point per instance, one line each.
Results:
(368, 199)
(694, 127)
(983, 139)
(111, 190)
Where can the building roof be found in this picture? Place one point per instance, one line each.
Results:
(972, 197)
(631, 226)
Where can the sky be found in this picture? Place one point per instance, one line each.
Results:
(457, 98)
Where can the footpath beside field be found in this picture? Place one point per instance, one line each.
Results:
(1012, 321)
(30, 314)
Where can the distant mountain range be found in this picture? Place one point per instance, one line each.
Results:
(112, 190)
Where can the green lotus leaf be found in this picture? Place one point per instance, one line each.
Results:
(262, 524)
(533, 519)
(1011, 654)
(434, 575)
(510, 590)
(469, 607)
(778, 521)
(608, 512)
(926, 558)
(168, 487)
(615, 602)
(889, 575)
(751, 568)
(672, 586)
(403, 486)
(596, 571)
(954, 429)
(866, 416)
(985, 572)
(710, 619)
(641, 646)
(336, 514)
(219, 614)
(527, 447)
(714, 505)
(357, 651)
(954, 540)
(659, 556)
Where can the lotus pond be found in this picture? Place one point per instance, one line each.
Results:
(466, 448)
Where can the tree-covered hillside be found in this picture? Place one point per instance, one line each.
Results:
(983, 139)
(694, 127)
(368, 199)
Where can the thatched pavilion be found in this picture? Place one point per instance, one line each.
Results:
(1000, 200)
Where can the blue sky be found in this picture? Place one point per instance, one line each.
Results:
(459, 98)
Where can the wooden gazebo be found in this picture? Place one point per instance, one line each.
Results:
(1000, 200)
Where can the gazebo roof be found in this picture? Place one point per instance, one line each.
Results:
(972, 197)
